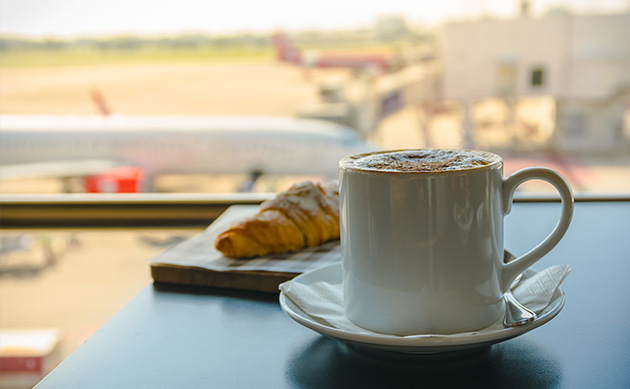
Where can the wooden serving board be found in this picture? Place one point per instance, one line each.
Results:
(196, 261)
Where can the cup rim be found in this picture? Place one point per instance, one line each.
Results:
(497, 161)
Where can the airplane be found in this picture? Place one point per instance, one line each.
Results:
(139, 148)
(287, 52)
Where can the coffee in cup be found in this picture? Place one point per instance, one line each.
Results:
(422, 238)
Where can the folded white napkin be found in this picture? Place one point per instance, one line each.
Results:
(323, 301)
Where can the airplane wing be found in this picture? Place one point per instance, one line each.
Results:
(57, 169)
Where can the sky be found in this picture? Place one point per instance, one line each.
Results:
(72, 18)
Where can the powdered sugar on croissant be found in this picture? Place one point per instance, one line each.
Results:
(305, 215)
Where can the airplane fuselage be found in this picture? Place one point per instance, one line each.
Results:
(175, 145)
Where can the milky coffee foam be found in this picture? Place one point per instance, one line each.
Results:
(422, 160)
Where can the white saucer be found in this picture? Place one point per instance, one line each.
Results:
(429, 343)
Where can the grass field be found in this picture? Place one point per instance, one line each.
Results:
(90, 56)
(57, 58)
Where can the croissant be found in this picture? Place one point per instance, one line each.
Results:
(304, 215)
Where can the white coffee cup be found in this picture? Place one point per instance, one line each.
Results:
(423, 250)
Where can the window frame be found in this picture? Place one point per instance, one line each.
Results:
(153, 210)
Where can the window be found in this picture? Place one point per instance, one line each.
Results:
(544, 89)
(537, 78)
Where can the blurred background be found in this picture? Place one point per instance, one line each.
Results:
(197, 97)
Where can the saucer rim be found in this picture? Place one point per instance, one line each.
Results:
(417, 343)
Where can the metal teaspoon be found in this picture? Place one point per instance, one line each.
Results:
(515, 313)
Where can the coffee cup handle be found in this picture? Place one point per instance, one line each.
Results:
(518, 265)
